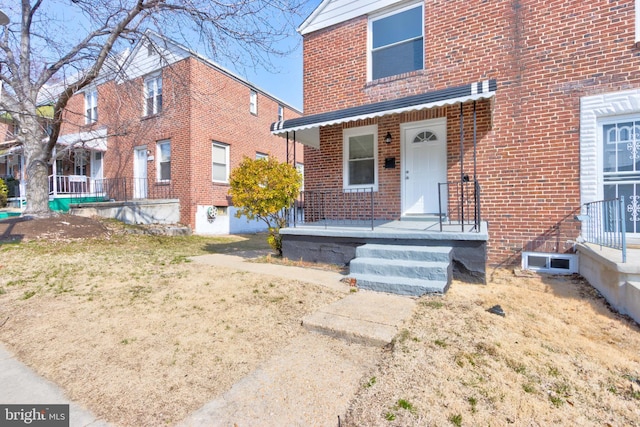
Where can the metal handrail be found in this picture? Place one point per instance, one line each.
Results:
(604, 224)
(461, 205)
(334, 207)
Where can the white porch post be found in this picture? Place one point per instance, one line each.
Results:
(23, 186)
(55, 172)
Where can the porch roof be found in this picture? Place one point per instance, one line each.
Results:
(307, 128)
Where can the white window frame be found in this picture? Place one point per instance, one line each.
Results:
(253, 102)
(91, 106)
(359, 131)
(80, 162)
(159, 160)
(377, 17)
(281, 110)
(226, 154)
(261, 156)
(156, 80)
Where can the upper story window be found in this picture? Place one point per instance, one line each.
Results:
(253, 102)
(153, 95)
(91, 106)
(396, 42)
(360, 157)
(219, 162)
(281, 111)
(163, 154)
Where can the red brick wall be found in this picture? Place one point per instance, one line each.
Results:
(544, 55)
(200, 104)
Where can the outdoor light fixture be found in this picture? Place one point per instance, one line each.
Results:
(387, 138)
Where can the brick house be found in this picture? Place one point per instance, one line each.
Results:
(536, 101)
(169, 126)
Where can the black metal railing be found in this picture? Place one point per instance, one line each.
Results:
(459, 204)
(352, 207)
(127, 189)
(604, 224)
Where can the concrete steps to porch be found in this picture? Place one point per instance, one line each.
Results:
(402, 269)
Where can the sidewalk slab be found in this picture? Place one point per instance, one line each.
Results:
(364, 317)
(20, 385)
(298, 386)
(326, 278)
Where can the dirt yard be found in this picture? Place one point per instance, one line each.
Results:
(131, 329)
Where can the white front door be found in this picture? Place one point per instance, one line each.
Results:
(96, 172)
(424, 162)
(140, 173)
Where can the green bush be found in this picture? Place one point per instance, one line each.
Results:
(4, 191)
(261, 189)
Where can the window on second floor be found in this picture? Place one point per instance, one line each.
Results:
(280, 113)
(163, 155)
(396, 42)
(153, 95)
(91, 106)
(219, 162)
(253, 102)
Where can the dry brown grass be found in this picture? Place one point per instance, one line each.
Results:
(559, 357)
(134, 331)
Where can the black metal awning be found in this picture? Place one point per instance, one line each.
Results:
(307, 128)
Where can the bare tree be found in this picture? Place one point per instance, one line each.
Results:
(54, 48)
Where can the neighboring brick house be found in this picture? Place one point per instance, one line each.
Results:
(548, 91)
(171, 124)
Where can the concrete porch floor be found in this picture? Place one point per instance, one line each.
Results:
(405, 229)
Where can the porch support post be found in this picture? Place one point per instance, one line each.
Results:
(475, 142)
(287, 154)
(55, 172)
(23, 184)
(462, 165)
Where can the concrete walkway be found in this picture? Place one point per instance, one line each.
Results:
(309, 382)
(20, 385)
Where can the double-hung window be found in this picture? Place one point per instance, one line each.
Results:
(280, 113)
(253, 102)
(163, 155)
(219, 162)
(91, 106)
(360, 157)
(396, 42)
(153, 95)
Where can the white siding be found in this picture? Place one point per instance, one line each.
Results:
(331, 12)
(141, 63)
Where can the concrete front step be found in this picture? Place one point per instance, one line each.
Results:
(401, 285)
(401, 268)
(404, 270)
(414, 253)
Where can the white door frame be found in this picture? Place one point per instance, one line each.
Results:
(421, 125)
(140, 172)
(96, 172)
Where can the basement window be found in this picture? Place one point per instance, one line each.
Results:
(554, 263)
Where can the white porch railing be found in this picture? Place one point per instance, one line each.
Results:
(69, 184)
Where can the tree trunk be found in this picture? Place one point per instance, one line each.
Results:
(36, 167)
